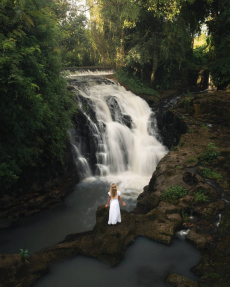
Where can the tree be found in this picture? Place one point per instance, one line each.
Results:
(154, 53)
(218, 24)
(108, 23)
(35, 107)
(75, 44)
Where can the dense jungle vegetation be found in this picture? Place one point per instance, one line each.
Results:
(153, 40)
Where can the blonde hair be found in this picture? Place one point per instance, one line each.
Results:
(113, 191)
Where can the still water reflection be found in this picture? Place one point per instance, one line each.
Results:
(146, 263)
(76, 214)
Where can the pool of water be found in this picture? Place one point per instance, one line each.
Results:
(146, 263)
(76, 214)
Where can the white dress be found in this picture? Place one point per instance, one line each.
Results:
(114, 210)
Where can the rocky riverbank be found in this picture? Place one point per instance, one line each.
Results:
(189, 190)
(38, 189)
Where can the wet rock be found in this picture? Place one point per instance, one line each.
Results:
(171, 128)
(211, 209)
(156, 219)
(180, 281)
(144, 205)
(5, 223)
(12, 269)
(186, 201)
(190, 179)
(199, 240)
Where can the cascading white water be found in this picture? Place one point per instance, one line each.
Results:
(127, 151)
(80, 161)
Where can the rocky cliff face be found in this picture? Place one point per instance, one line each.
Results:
(189, 190)
(38, 189)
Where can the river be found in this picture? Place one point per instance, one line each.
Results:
(119, 143)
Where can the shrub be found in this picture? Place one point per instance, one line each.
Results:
(173, 193)
(134, 84)
(184, 216)
(200, 197)
(208, 173)
(24, 254)
(210, 153)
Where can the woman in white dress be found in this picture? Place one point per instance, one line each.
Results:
(114, 210)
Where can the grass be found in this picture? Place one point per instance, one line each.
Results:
(134, 84)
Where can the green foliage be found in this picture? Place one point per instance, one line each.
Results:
(35, 107)
(157, 58)
(75, 43)
(192, 160)
(135, 85)
(219, 28)
(184, 216)
(110, 19)
(208, 173)
(153, 39)
(187, 104)
(199, 58)
(204, 126)
(24, 254)
(213, 275)
(173, 193)
(210, 153)
(201, 195)
(181, 143)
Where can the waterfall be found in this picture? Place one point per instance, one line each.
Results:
(115, 136)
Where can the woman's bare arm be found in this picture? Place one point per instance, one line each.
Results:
(107, 204)
(121, 201)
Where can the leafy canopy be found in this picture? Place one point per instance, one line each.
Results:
(35, 107)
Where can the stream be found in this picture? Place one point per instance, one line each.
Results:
(119, 144)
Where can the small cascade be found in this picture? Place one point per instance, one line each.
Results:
(219, 220)
(182, 233)
(116, 131)
(81, 162)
